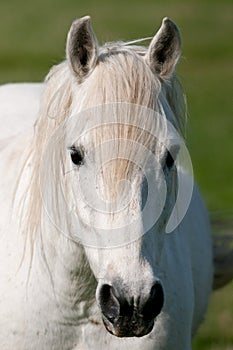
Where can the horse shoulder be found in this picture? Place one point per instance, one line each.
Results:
(19, 105)
(13, 152)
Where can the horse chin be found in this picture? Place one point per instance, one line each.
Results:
(126, 331)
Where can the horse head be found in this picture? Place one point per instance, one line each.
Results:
(122, 182)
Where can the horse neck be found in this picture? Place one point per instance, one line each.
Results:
(62, 263)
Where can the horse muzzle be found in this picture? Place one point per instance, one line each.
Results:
(123, 317)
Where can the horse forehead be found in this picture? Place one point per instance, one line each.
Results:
(121, 156)
(118, 132)
(120, 147)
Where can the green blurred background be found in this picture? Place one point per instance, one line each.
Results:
(32, 38)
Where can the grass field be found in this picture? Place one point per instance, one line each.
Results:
(33, 38)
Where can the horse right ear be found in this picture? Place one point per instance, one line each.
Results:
(81, 48)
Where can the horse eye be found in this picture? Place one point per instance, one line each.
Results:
(169, 160)
(77, 155)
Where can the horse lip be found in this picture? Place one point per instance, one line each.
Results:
(126, 333)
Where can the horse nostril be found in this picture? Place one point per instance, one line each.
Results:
(108, 302)
(154, 304)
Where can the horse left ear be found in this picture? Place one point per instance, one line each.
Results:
(165, 49)
(81, 48)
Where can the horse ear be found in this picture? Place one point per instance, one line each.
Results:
(165, 49)
(81, 47)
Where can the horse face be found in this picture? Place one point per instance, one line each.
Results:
(118, 190)
(118, 183)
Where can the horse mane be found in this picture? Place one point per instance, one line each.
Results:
(120, 65)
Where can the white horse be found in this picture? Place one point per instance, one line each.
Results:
(65, 265)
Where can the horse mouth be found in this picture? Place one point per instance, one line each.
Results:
(123, 329)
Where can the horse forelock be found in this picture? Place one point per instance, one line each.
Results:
(121, 75)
